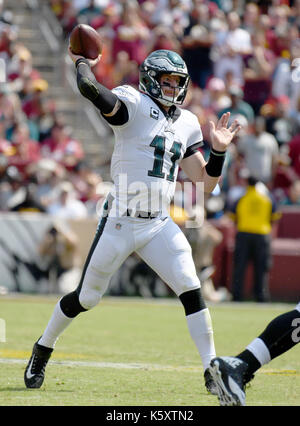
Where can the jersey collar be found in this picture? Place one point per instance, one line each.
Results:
(173, 113)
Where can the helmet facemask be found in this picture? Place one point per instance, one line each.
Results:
(155, 65)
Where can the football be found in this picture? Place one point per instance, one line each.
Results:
(85, 41)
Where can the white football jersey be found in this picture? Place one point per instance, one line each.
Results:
(147, 152)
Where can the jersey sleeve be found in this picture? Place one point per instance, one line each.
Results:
(192, 149)
(130, 97)
(195, 137)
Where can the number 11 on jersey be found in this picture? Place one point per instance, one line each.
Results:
(159, 151)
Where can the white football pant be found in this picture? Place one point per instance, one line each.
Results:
(159, 242)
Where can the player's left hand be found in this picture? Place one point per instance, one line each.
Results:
(220, 134)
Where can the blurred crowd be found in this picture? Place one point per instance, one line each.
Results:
(242, 57)
(42, 164)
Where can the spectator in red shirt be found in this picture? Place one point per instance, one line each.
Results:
(259, 66)
(131, 34)
(294, 153)
(106, 20)
(125, 71)
(21, 72)
(33, 106)
(164, 38)
(26, 150)
(62, 148)
(7, 36)
(284, 176)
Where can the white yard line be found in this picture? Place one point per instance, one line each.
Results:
(138, 366)
(117, 365)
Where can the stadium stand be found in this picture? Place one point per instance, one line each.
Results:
(242, 57)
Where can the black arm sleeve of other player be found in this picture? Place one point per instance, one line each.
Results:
(99, 95)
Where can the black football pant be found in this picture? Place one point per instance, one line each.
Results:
(257, 249)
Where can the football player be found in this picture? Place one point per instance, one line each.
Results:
(153, 135)
(231, 374)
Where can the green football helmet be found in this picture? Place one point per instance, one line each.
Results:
(163, 62)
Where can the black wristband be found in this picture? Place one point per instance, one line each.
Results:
(215, 163)
(81, 60)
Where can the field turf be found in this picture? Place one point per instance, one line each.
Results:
(136, 352)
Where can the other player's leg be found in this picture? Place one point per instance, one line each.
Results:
(231, 374)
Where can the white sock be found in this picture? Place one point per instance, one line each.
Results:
(58, 322)
(200, 327)
(260, 351)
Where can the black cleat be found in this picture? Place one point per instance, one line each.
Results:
(35, 370)
(209, 383)
(228, 374)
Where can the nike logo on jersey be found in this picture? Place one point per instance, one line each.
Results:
(154, 113)
(169, 130)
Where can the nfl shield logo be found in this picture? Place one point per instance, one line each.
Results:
(118, 226)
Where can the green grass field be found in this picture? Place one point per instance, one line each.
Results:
(136, 352)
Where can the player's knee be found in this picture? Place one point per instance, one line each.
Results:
(184, 272)
(187, 280)
(93, 287)
(70, 305)
(189, 283)
(89, 298)
(192, 301)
